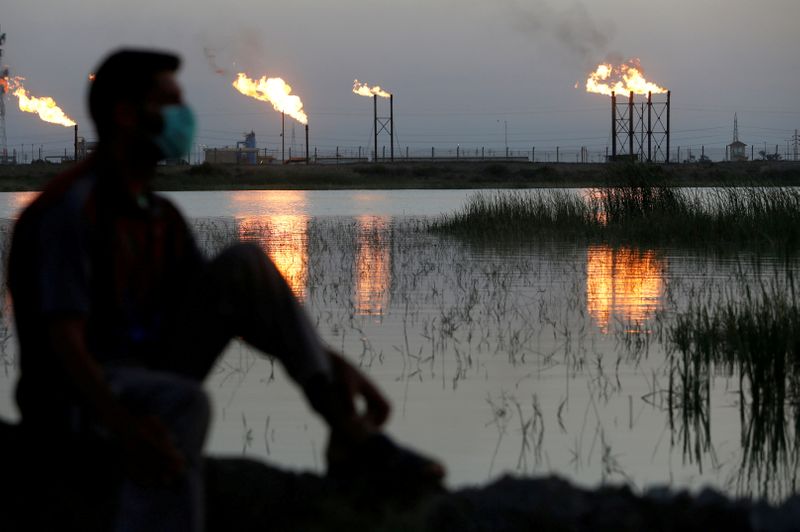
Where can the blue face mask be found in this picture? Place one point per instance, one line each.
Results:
(175, 139)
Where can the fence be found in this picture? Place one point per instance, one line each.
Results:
(349, 154)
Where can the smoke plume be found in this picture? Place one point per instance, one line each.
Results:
(243, 49)
(572, 28)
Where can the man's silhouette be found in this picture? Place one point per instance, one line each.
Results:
(120, 317)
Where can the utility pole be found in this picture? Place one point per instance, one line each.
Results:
(3, 88)
(505, 134)
(283, 136)
(391, 127)
(613, 126)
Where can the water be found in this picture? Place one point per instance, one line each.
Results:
(534, 359)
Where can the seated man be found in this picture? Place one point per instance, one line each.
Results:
(120, 317)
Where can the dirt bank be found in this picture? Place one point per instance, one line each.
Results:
(431, 174)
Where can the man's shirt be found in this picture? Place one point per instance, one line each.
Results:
(86, 249)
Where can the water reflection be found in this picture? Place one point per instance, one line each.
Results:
(20, 200)
(269, 202)
(462, 330)
(373, 266)
(285, 239)
(282, 234)
(753, 342)
(622, 283)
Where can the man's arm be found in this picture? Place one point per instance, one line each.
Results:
(146, 442)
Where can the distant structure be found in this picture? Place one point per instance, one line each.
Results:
(737, 149)
(85, 148)
(250, 145)
(640, 132)
(245, 152)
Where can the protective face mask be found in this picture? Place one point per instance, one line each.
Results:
(175, 139)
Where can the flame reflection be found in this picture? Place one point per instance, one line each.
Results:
(18, 201)
(284, 239)
(373, 266)
(622, 283)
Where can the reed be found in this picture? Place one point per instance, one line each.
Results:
(755, 337)
(516, 213)
(645, 214)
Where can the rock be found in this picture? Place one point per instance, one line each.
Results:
(43, 490)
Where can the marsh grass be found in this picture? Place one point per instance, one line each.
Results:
(642, 213)
(456, 315)
(516, 214)
(756, 338)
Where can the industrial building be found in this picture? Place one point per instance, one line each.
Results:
(244, 153)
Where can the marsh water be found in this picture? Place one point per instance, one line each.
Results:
(547, 357)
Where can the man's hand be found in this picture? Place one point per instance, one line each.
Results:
(349, 402)
(359, 388)
(358, 451)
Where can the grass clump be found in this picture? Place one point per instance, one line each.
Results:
(764, 217)
(515, 213)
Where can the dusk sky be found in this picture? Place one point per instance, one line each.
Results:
(459, 70)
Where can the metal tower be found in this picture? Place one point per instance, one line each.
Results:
(383, 124)
(3, 90)
(735, 128)
(640, 132)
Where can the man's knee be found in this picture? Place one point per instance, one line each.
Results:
(242, 254)
(247, 266)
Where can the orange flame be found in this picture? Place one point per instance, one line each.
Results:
(622, 79)
(275, 91)
(362, 89)
(45, 107)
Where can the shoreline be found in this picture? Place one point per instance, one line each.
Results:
(445, 174)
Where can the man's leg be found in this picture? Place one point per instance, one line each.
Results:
(242, 294)
(182, 406)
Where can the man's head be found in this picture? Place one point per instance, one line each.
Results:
(133, 95)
